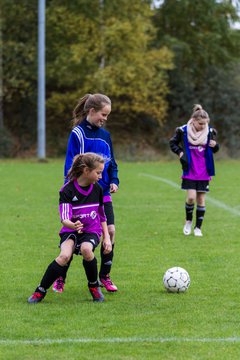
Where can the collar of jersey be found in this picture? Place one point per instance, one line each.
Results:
(80, 189)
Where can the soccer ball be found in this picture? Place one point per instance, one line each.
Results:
(176, 279)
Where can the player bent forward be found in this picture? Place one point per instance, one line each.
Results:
(84, 221)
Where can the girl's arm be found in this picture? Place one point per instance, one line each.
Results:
(73, 149)
(213, 141)
(77, 226)
(175, 141)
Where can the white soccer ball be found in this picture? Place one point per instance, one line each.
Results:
(176, 279)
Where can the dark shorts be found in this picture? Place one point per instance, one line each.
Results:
(79, 239)
(108, 208)
(198, 185)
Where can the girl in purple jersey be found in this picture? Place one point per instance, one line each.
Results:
(84, 222)
(195, 144)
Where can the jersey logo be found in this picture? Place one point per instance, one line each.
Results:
(75, 198)
(93, 214)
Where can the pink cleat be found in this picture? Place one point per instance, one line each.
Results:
(58, 285)
(108, 284)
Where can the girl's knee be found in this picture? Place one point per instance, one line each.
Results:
(190, 200)
(87, 251)
(63, 259)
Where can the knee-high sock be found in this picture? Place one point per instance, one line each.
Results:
(106, 262)
(65, 269)
(53, 271)
(200, 215)
(189, 211)
(91, 271)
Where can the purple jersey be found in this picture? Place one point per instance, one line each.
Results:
(84, 204)
(198, 169)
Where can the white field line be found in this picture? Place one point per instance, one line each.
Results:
(216, 203)
(8, 342)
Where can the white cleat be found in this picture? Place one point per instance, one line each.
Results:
(187, 229)
(197, 232)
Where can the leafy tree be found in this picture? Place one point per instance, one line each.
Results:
(204, 44)
(19, 36)
(91, 46)
(110, 52)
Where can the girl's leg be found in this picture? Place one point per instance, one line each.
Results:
(54, 270)
(106, 259)
(91, 270)
(200, 212)
(57, 267)
(189, 207)
(58, 285)
(106, 263)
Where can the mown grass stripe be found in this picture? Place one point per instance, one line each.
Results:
(8, 342)
(215, 202)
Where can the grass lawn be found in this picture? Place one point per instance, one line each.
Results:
(140, 321)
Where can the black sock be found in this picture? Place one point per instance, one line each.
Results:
(53, 271)
(200, 215)
(91, 272)
(189, 211)
(106, 262)
(65, 269)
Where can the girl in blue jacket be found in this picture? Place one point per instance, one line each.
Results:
(195, 144)
(88, 135)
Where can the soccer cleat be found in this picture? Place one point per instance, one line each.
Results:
(107, 283)
(58, 285)
(197, 232)
(96, 294)
(37, 296)
(187, 229)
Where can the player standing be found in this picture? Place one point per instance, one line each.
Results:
(195, 144)
(88, 135)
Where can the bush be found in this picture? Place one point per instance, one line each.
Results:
(7, 144)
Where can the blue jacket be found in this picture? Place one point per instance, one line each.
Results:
(89, 138)
(179, 143)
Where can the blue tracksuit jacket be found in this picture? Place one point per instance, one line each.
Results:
(89, 138)
(179, 143)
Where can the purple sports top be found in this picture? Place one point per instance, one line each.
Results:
(198, 169)
(84, 204)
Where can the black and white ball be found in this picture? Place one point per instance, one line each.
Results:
(176, 279)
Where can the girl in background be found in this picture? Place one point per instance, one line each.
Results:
(195, 144)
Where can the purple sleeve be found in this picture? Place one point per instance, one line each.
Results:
(65, 210)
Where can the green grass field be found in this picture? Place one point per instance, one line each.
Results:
(141, 320)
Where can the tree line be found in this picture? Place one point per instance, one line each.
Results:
(153, 62)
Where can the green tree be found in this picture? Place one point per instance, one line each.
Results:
(204, 44)
(115, 56)
(19, 39)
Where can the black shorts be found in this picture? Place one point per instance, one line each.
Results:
(79, 239)
(108, 208)
(198, 185)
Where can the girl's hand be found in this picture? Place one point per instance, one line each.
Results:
(212, 143)
(78, 226)
(113, 188)
(180, 155)
(107, 245)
